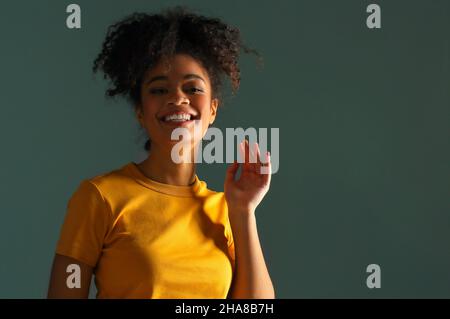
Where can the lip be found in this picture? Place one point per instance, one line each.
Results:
(193, 115)
(177, 124)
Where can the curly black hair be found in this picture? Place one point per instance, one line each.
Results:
(137, 43)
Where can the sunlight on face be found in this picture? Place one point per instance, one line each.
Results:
(179, 96)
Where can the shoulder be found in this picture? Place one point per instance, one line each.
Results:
(102, 186)
(110, 183)
(110, 179)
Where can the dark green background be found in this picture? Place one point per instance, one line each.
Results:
(364, 138)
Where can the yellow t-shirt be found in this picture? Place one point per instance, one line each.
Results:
(150, 240)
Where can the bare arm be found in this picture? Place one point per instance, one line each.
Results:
(251, 279)
(58, 287)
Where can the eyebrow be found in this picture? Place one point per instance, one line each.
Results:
(186, 77)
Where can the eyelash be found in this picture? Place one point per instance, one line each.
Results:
(196, 89)
(158, 91)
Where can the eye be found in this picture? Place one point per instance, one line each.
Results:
(158, 91)
(195, 90)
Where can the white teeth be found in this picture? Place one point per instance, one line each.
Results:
(178, 117)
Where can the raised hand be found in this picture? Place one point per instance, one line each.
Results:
(244, 194)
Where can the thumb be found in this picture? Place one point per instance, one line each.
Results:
(231, 172)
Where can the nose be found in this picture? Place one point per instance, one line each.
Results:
(178, 99)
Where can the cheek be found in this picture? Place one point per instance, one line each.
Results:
(204, 105)
(150, 108)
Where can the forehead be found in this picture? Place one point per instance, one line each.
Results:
(177, 68)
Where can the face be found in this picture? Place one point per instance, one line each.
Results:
(183, 90)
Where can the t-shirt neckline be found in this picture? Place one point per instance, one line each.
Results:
(175, 190)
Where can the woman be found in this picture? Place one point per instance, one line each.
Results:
(153, 229)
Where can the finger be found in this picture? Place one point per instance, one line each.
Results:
(253, 152)
(267, 168)
(257, 164)
(258, 153)
(244, 153)
(253, 161)
(231, 172)
(249, 156)
(241, 152)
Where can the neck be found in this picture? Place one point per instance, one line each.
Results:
(159, 167)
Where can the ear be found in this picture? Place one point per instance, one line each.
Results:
(213, 109)
(139, 114)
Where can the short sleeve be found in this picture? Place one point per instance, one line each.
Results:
(85, 225)
(230, 240)
(231, 251)
(228, 230)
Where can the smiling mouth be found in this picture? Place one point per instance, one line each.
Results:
(179, 118)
